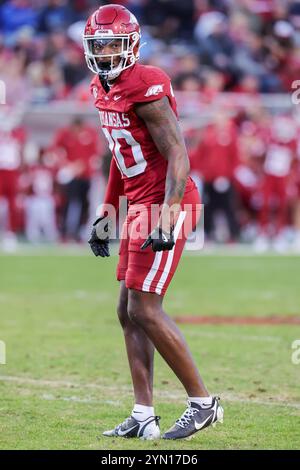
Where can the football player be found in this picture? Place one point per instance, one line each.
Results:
(150, 167)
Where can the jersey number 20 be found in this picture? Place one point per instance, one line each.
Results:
(132, 148)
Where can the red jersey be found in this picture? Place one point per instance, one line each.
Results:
(81, 147)
(217, 154)
(142, 168)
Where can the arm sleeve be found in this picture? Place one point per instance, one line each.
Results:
(115, 186)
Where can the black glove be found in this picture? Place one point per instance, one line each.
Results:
(160, 240)
(99, 240)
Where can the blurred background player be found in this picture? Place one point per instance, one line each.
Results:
(215, 160)
(277, 167)
(39, 203)
(12, 140)
(77, 146)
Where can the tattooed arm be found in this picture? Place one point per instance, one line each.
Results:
(166, 134)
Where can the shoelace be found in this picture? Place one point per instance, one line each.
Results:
(186, 417)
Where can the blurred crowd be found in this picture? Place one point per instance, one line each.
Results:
(246, 160)
(239, 45)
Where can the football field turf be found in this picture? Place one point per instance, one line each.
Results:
(67, 379)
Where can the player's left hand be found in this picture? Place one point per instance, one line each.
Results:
(160, 240)
(99, 241)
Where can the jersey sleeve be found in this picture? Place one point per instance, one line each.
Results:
(152, 84)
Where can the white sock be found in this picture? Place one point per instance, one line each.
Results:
(204, 402)
(142, 412)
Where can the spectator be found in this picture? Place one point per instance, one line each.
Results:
(73, 69)
(171, 19)
(55, 16)
(215, 44)
(46, 80)
(14, 15)
(188, 82)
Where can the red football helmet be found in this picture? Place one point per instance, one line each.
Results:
(111, 23)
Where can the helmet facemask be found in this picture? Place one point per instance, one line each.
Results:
(106, 64)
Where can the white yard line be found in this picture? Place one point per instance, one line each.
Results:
(163, 394)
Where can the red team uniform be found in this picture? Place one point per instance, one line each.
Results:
(139, 171)
(149, 252)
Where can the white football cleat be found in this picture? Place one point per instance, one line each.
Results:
(147, 429)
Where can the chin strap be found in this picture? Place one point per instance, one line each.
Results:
(105, 84)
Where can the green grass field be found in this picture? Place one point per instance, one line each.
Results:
(66, 378)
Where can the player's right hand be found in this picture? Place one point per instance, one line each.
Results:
(160, 240)
(99, 241)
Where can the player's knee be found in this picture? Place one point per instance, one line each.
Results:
(123, 314)
(140, 313)
(137, 315)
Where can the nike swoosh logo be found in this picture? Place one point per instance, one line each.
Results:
(123, 433)
(199, 426)
(116, 98)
